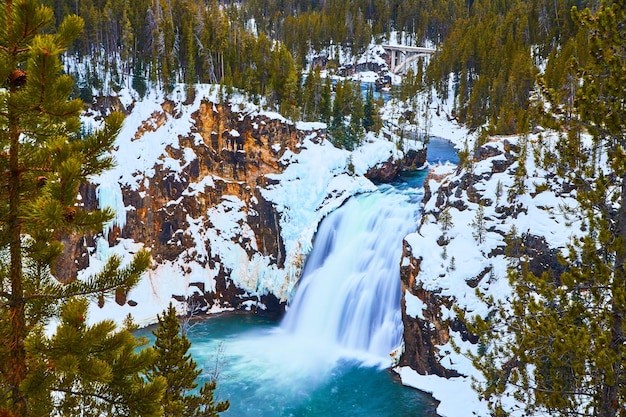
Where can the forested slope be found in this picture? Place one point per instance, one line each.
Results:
(491, 50)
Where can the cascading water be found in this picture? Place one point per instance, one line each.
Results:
(349, 293)
(345, 312)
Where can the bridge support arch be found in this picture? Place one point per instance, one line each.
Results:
(399, 56)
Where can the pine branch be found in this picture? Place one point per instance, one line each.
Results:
(13, 50)
(110, 279)
(84, 394)
(549, 391)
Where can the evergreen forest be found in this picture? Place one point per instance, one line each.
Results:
(509, 66)
(491, 49)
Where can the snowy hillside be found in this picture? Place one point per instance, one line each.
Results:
(461, 242)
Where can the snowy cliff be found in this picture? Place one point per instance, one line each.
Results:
(459, 249)
(227, 197)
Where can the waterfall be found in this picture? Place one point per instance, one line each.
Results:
(345, 313)
(349, 293)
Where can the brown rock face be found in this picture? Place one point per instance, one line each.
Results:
(265, 224)
(389, 170)
(236, 153)
(414, 160)
(423, 336)
(384, 172)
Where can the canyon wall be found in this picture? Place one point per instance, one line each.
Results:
(210, 206)
(478, 220)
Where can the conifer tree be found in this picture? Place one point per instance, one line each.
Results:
(370, 112)
(355, 128)
(311, 96)
(445, 220)
(348, 102)
(479, 225)
(93, 370)
(337, 128)
(284, 80)
(174, 362)
(326, 102)
(43, 160)
(559, 348)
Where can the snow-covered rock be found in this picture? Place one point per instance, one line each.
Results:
(459, 249)
(227, 197)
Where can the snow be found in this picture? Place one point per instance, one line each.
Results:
(310, 126)
(465, 402)
(414, 306)
(542, 214)
(147, 132)
(152, 294)
(365, 76)
(372, 153)
(200, 186)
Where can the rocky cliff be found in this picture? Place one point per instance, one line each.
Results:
(201, 182)
(224, 154)
(502, 204)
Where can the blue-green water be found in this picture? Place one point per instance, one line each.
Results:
(329, 355)
(258, 374)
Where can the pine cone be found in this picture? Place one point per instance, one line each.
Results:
(17, 78)
(70, 213)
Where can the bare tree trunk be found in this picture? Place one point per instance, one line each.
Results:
(609, 405)
(17, 352)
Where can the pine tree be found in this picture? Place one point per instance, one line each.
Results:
(180, 371)
(139, 81)
(558, 349)
(326, 102)
(355, 128)
(192, 51)
(43, 159)
(499, 190)
(284, 81)
(479, 225)
(370, 111)
(93, 370)
(337, 128)
(445, 220)
(311, 96)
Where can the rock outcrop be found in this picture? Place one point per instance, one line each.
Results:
(423, 334)
(389, 170)
(226, 155)
(453, 256)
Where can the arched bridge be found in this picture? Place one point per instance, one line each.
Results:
(399, 57)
